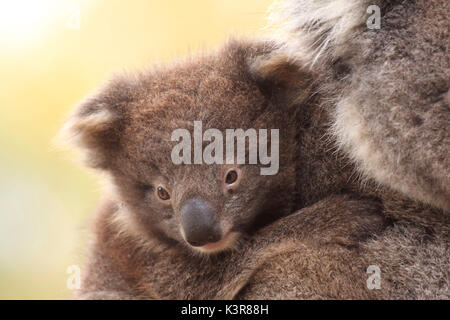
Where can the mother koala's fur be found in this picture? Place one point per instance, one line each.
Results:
(387, 92)
(387, 89)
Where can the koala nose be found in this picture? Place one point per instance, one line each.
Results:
(200, 224)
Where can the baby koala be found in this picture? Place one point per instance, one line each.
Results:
(202, 157)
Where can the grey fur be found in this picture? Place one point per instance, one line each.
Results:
(387, 88)
(138, 251)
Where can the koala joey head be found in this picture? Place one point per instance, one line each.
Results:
(127, 130)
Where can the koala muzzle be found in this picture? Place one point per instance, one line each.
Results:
(199, 222)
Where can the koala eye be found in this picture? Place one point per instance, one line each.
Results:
(162, 193)
(231, 180)
(231, 177)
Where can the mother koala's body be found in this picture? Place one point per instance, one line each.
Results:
(387, 88)
(387, 94)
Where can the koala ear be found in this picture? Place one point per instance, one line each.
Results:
(278, 75)
(96, 124)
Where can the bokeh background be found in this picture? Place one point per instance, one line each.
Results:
(52, 54)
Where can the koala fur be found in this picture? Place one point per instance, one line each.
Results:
(122, 267)
(140, 249)
(387, 89)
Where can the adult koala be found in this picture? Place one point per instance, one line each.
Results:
(384, 64)
(387, 91)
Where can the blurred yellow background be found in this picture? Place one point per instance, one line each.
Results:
(52, 54)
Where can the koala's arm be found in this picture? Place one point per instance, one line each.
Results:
(108, 273)
(314, 253)
(338, 219)
(102, 281)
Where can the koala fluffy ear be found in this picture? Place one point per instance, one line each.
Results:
(277, 74)
(96, 124)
